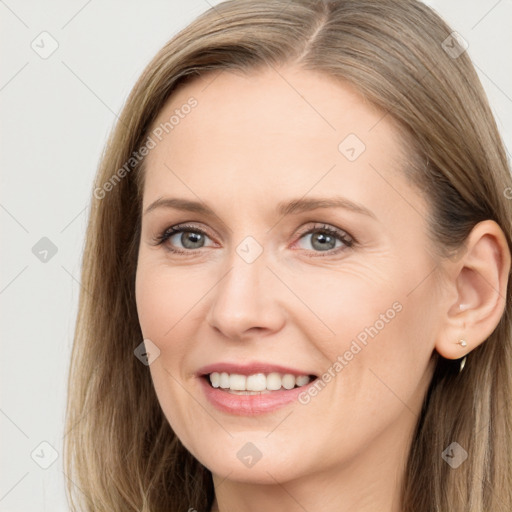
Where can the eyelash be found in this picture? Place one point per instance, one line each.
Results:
(339, 234)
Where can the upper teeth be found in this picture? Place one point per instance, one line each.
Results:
(257, 382)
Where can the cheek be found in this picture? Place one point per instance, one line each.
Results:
(342, 305)
(160, 306)
(164, 297)
(164, 306)
(375, 327)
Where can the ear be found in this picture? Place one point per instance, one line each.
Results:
(476, 290)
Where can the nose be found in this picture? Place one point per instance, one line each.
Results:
(246, 301)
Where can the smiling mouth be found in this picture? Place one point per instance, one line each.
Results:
(258, 383)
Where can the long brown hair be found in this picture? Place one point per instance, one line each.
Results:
(120, 452)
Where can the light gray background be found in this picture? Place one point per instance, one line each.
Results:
(56, 114)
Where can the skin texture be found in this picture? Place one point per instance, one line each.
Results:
(251, 142)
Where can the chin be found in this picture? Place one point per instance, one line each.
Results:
(261, 473)
(241, 460)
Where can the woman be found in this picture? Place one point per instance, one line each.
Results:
(296, 273)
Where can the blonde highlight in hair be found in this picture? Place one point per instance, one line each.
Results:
(120, 452)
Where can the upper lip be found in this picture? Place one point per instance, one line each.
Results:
(249, 369)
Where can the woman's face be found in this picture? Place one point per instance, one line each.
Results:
(270, 279)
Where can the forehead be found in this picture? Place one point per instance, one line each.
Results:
(273, 133)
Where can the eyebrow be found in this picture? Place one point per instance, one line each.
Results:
(283, 208)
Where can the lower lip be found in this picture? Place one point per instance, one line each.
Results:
(250, 405)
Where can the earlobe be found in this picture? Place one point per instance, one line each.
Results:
(478, 281)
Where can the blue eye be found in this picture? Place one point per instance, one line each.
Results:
(191, 238)
(324, 238)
